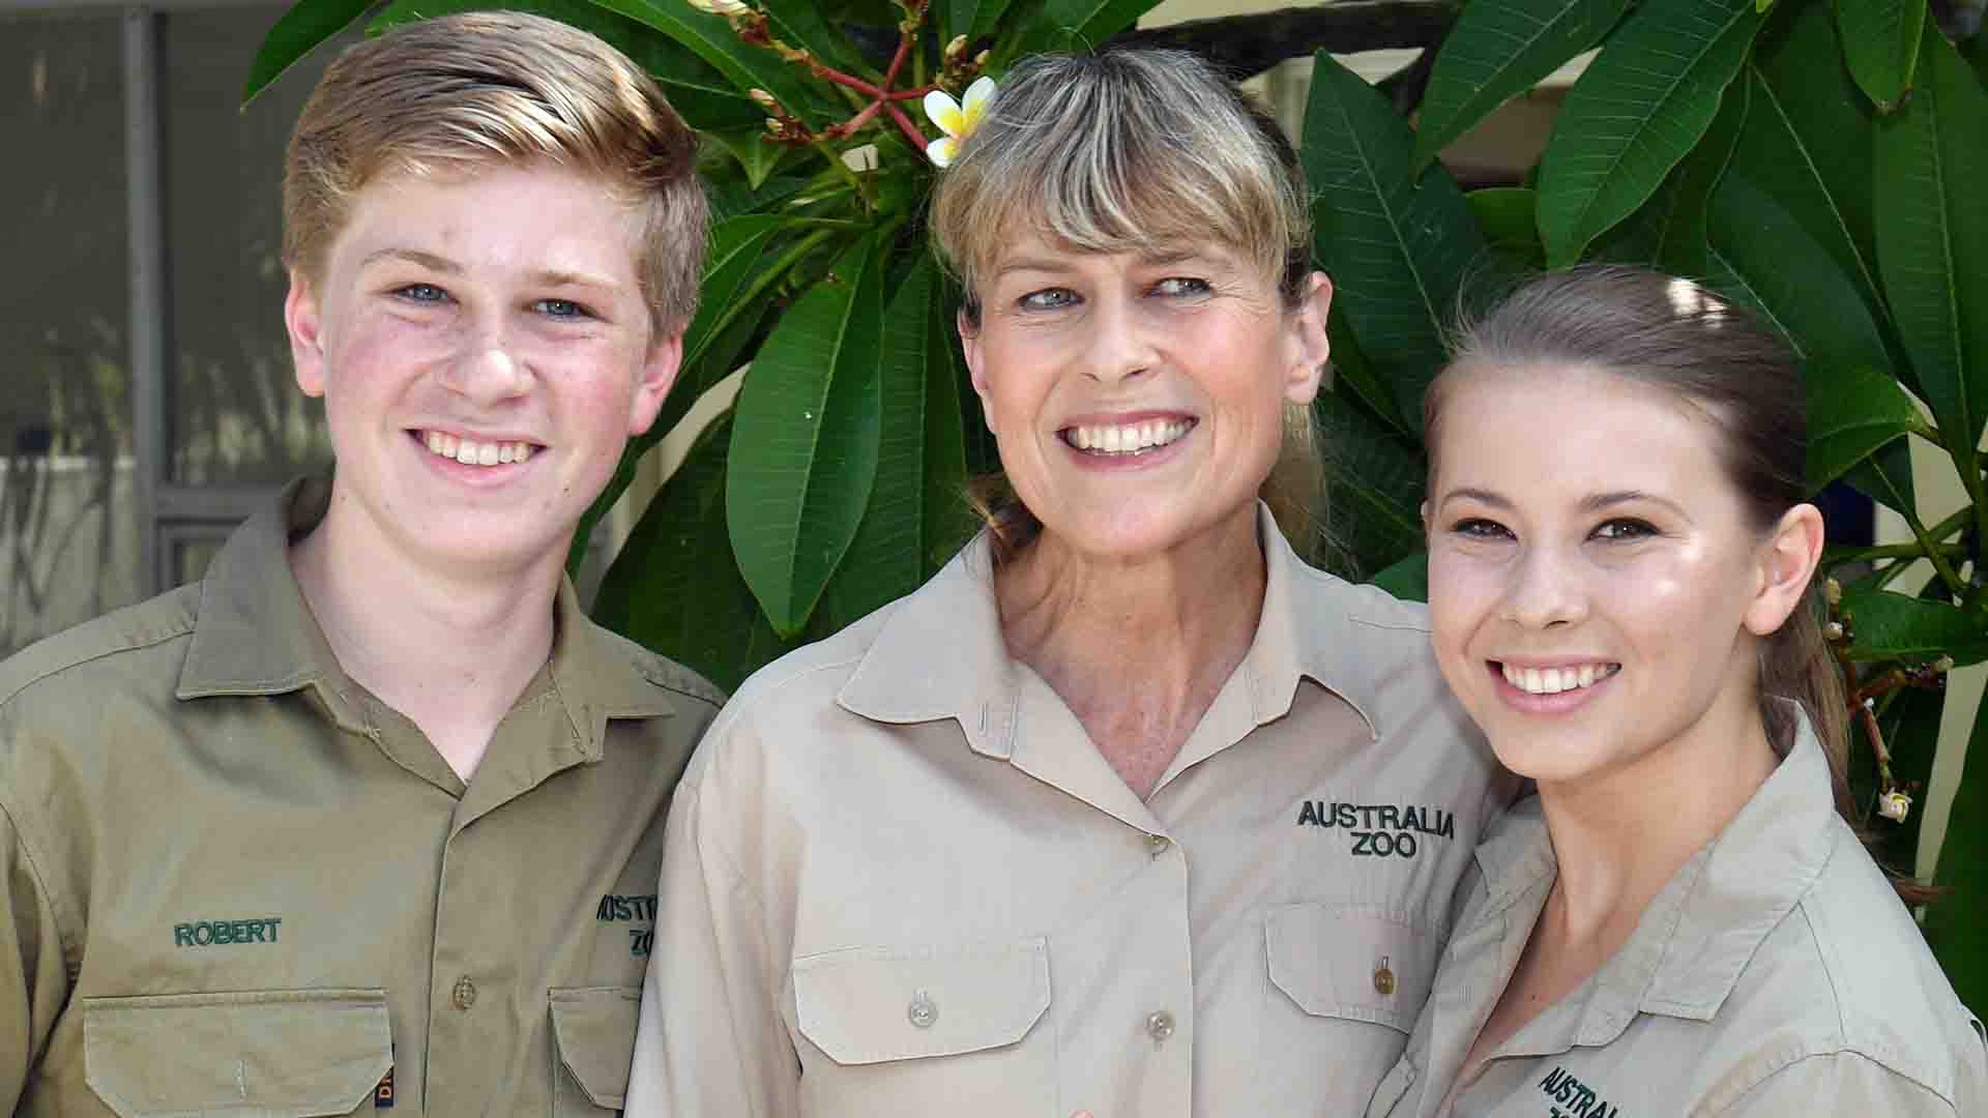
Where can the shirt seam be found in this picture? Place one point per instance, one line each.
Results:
(179, 631)
(56, 903)
(1783, 1066)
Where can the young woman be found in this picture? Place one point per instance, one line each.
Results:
(1620, 561)
(1128, 809)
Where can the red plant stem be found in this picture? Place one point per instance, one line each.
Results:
(911, 94)
(855, 83)
(909, 129)
(897, 62)
(855, 123)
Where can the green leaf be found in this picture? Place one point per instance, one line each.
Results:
(696, 89)
(1506, 216)
(1497, 50)
(1954, 925)
(1084, 24)
(1932, 234)
(914, 518)
(299, 31)
(1352, 371)
(972, 18)
(1852, 411)
(1764, 259)
(675, 586)
(1669, 231)
(712, 39)
(800, 23)
(1886, 477)
(1642, 104)
(1374, 482)
(1888, 626)
(757, 155)
(804, 456)
(1833, 206)
(1397, 246)
(1408, 579)
(1881, 44)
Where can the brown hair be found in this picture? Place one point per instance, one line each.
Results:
(1125, 151)
(479, 89)
(1672, 334)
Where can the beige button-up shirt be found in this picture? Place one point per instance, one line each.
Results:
(1776, 974)
(234, 882)
(900, 880)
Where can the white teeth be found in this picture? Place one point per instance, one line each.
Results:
(1552, 681)
(472, 453)
(1130, 438)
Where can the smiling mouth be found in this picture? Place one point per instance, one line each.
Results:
(1128, 439)
(1553, 681)
(471, 452)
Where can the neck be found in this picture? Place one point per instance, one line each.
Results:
(1620, 834)
(451, 650)
(1137, 647)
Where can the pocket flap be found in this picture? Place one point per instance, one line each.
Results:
(282, 1053)
(1362, 962)
(594, 1027)
(869, 1005)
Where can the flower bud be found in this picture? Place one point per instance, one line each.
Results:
(720, 7)
(1895, 806)
(955, 50)
(1832, 591)
(1833, 631)
(764, 100)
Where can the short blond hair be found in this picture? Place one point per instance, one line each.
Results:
(482, 89)
(1128, 150)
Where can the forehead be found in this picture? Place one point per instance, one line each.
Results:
(537, 214)
(1546, 431)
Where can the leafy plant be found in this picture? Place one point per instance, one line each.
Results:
(1814, 160)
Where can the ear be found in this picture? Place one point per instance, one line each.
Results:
(304, 320)
(1307, 367)
(653, 382)
(976, 357)
(1787, 561)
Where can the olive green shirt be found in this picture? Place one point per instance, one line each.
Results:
(235, 882)
(1776, 974)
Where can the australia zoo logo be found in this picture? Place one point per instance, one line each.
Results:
(1380, 830)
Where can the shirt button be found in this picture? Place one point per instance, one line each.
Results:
(1157, 845)
(1160, 1026)
(1384, 979)
(923, 1011)
(464, 995)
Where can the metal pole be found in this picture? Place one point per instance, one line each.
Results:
(146, 219)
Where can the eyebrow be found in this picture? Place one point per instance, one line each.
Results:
(448, 267)
(1157, 259)
(1593, 502)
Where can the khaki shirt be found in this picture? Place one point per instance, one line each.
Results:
(1775, 974)
(900, 879)
(232, 881)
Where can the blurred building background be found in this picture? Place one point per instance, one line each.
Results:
(146, 403)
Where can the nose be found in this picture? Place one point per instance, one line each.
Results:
(486, 369)
(1545, 591)
(1121, 341)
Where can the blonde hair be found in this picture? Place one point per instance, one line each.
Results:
(479, 89)
(1129, 150)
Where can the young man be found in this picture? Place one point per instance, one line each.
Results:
(371, 816)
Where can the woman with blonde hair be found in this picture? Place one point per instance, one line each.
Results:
(1128, 809)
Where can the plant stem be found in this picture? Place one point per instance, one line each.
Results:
(910, 130)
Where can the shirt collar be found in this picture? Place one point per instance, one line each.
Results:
(1698, 934)
(255, 635)
(941, 654)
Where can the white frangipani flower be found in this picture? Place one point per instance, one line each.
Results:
(957, 119)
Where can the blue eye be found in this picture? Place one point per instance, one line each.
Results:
(1623, 530)
(561, 308)
(1182, 286)
(1048, 299)
(422, 293)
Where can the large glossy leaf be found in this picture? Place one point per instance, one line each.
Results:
(298, 31)
(1955, 927)
(1888, 626)
(1644, 102)
(1852, 411)
(917, 514)
(1354, 375)
(1083, 24)
(972, 18)
(1881, 44)
(1373, 488)
(1669, 232)
(1817, 103)
(1497, 50)
(675, 586)
(1398, 247)
(1886, 477)
(804, 454)
(1505, 215)
(1932, 234)
(1782, 272)
(695, 88)
(1408, 579)
(1832, 207)
(800, 23)
(711, 38)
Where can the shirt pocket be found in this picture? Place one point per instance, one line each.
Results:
(593, 1031)
(279, 1053)
(927, 1029)
(1356, 962)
